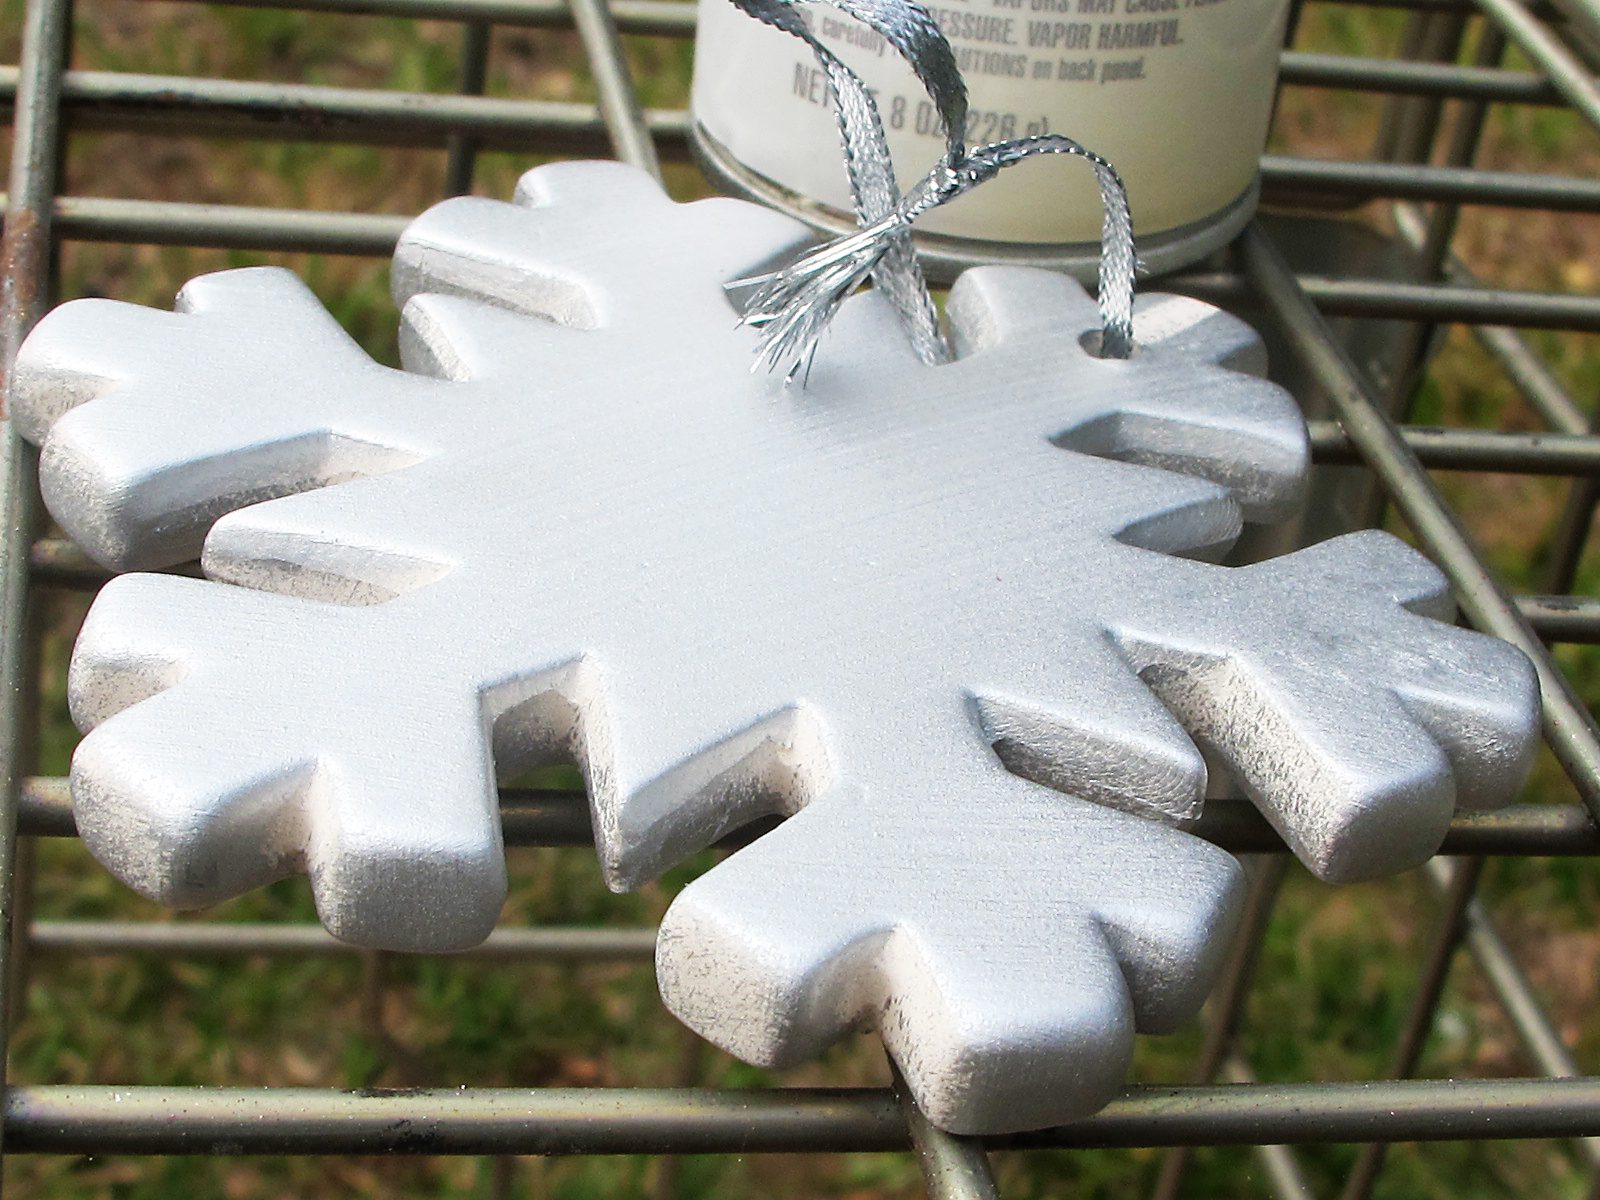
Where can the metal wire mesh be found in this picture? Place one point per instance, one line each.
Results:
(1424, 172)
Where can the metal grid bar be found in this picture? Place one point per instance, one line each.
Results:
(157, 1120)
(624, 120)
(25, 256)
(62, 1119)
(1228, 1008)
(461, 150)
(90, 89)
(1458, 891)
(101, 100)
(1559, 63)
(194, 939)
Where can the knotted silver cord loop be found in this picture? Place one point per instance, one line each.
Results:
(866, 153)
(793, 306)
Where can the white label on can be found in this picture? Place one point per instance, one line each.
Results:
(1177, 93)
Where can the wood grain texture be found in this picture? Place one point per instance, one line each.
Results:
(576, 526)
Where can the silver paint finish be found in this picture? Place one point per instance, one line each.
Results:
(577, 526)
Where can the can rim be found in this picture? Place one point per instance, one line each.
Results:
(943, 257)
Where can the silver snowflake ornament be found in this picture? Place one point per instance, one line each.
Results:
(958, 623)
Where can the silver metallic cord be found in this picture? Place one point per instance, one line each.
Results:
(866, 153)
(793, 306)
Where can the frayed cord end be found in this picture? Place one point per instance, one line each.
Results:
(793, 306)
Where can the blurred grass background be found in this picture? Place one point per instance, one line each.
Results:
(1338, 964)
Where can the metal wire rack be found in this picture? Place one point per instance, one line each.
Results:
(1424, 173)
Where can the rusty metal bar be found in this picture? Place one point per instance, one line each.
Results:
(25, 254)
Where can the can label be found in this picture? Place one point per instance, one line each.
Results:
(1176, 93)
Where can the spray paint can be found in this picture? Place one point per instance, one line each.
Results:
(1177, 93)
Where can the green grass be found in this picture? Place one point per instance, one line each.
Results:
(1337, 966)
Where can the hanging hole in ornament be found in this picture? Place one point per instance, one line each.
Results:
(1093, 343)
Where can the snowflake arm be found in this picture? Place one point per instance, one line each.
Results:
(1004, 940)
(1356, 719)
(1185, 402)
(255, 419)
(199, 791)
(591, 245)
